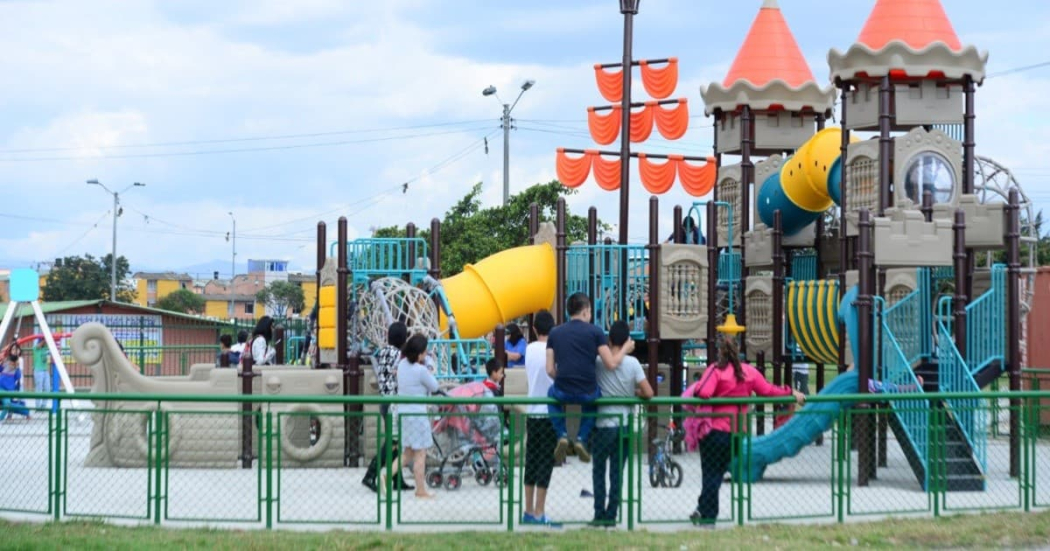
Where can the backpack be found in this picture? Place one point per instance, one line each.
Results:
(697, 426)
(235, 358)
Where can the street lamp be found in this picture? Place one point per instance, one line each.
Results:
(505, 123)
(233, 265)
(116, 212)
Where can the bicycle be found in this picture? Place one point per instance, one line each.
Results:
(663, 470)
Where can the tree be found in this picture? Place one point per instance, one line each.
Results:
(183, 300)
(87, 278)
(470, 233)
(279, 296)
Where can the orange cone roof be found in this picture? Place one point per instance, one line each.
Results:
(917, 23)
(769, 53)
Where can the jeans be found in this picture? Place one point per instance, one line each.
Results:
(608, 446)
(557, 411)
(41, 383)
(715, 454)
(801, 380)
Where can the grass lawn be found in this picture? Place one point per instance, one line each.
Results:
(1007, 530)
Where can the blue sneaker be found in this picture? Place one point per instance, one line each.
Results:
(546, 521)
(528, 519)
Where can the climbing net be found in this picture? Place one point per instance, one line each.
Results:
(390, 299)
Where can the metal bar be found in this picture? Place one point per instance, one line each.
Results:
(865, 463)
(637, 104)
(410, 234)
(647, 155)
(247, 375)
(654, 296)
(843, 240)
(435, 249)
(960, 299)
(635, 63)
(760, 410)
(628, 8)
(712, 277)
(885, 145)
(747, 175)
(778, 297)
(559, 222)
(322, 250)
(269, 469)
(499, 345)
(1013, 322)
(592, 240)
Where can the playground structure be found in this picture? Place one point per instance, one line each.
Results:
(830, 249)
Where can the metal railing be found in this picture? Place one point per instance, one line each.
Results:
(897, 372)
(599, 270)
(378, 257)
(986, 324)
(953, 375)
(59, 466)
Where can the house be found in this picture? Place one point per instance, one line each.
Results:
(153, 286)
(219, 293)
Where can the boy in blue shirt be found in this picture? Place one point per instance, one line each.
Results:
(571, 349)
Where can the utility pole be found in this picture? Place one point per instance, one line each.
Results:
(116, 214)
(505, 123)
(233, 268)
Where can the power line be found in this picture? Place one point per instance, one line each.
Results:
(244, 149)
(1019, 69)
(85, 234)
(247, 139)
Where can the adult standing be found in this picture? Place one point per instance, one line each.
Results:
(571, 349)
(515, 346)
(539, 432)
(385, 364)
(609, 443)
(262, 349)
(716, 449)
(414, 379)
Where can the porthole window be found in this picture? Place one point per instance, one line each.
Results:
(929, 171)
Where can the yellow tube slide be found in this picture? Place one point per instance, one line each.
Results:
(504, 286)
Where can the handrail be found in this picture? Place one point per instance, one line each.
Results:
(953, 375)
(897, 370)
(596, 270)
(986, 324)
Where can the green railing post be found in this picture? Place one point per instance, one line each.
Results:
(510, 476)
(57, 458)
(388, 445)
(632, 443)
(142, 346)
(736, 443)
(1030, 433)
(934, 451)
(269, 469)
(841, 459)
(158, 461)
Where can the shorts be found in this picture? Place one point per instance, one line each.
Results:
(415, 432)
(539, 451)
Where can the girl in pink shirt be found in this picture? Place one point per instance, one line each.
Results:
(727, 378)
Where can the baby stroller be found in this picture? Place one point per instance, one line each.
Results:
(467, 440)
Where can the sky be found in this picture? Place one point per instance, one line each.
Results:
(289, 113)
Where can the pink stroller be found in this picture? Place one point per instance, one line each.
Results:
(467, 438)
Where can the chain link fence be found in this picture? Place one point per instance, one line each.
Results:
(486, 463)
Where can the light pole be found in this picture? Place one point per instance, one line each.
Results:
(116, 213)
(233, 266)
(505, 123)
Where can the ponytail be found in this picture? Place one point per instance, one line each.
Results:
(729, 353)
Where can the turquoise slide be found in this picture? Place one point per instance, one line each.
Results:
(801, 430)
(813, 420)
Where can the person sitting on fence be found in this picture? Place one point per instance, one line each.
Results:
(238, 349)
(609, 442)
(262, 352)
(716, 449)
(571, 349)
(11, 381)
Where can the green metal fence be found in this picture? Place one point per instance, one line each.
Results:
(177, 460)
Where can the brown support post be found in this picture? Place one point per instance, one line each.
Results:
(499, 345)
(653, 330)
(1013, 323)
(883, 407)
(712, 279)
(592, 240)
(629, 8)
(677, 234)
(322, 257)
(960, 299)
(843, 240)
(247, 423)
(534, 227)
(559, 222)
(778, 298)
(760, 409)
(747, 175)
(968, 144)
(927, 205)
(278, 344)
(348, 366)
(862, 422)
(435, 249)
(885, 145)
(410, 234)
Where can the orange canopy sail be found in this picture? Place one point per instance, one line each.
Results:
(660, 82)
(604, 128)
(657, 179)
(697, 180)
(573, 172)
(642, 122)
(610, 83)
(672, 123)
(606, 172)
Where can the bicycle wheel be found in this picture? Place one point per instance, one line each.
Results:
(674, 475)
(656, 475)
